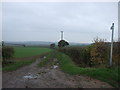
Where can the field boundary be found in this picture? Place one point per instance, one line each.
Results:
(31, 57)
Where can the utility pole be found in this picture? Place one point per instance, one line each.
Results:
(61, 35)
(112, 28)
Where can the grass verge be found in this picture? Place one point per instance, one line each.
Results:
(16, 65)
(20, 63)
(109, 75)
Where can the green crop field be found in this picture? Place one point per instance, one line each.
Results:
(21, 52)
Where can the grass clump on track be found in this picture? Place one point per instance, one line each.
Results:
(48, 60)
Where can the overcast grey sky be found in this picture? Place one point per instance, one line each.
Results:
(81, 22)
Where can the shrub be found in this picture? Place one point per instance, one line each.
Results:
(62, 43)
(52, 45)
(99, 52)
(80, 55)
(94, 55)
(116, 53)
(7, 53)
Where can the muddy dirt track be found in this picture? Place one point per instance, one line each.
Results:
(32, 76)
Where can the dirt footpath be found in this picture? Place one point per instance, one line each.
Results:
(32, 76)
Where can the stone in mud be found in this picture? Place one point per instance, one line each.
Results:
(30, 76)
(55, 66)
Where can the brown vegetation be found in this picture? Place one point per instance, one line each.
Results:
(94, 55)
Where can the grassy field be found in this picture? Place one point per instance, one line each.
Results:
(21, 52)
(109, 75)
(27, 52)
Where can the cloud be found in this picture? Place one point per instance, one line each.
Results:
(81, 22)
